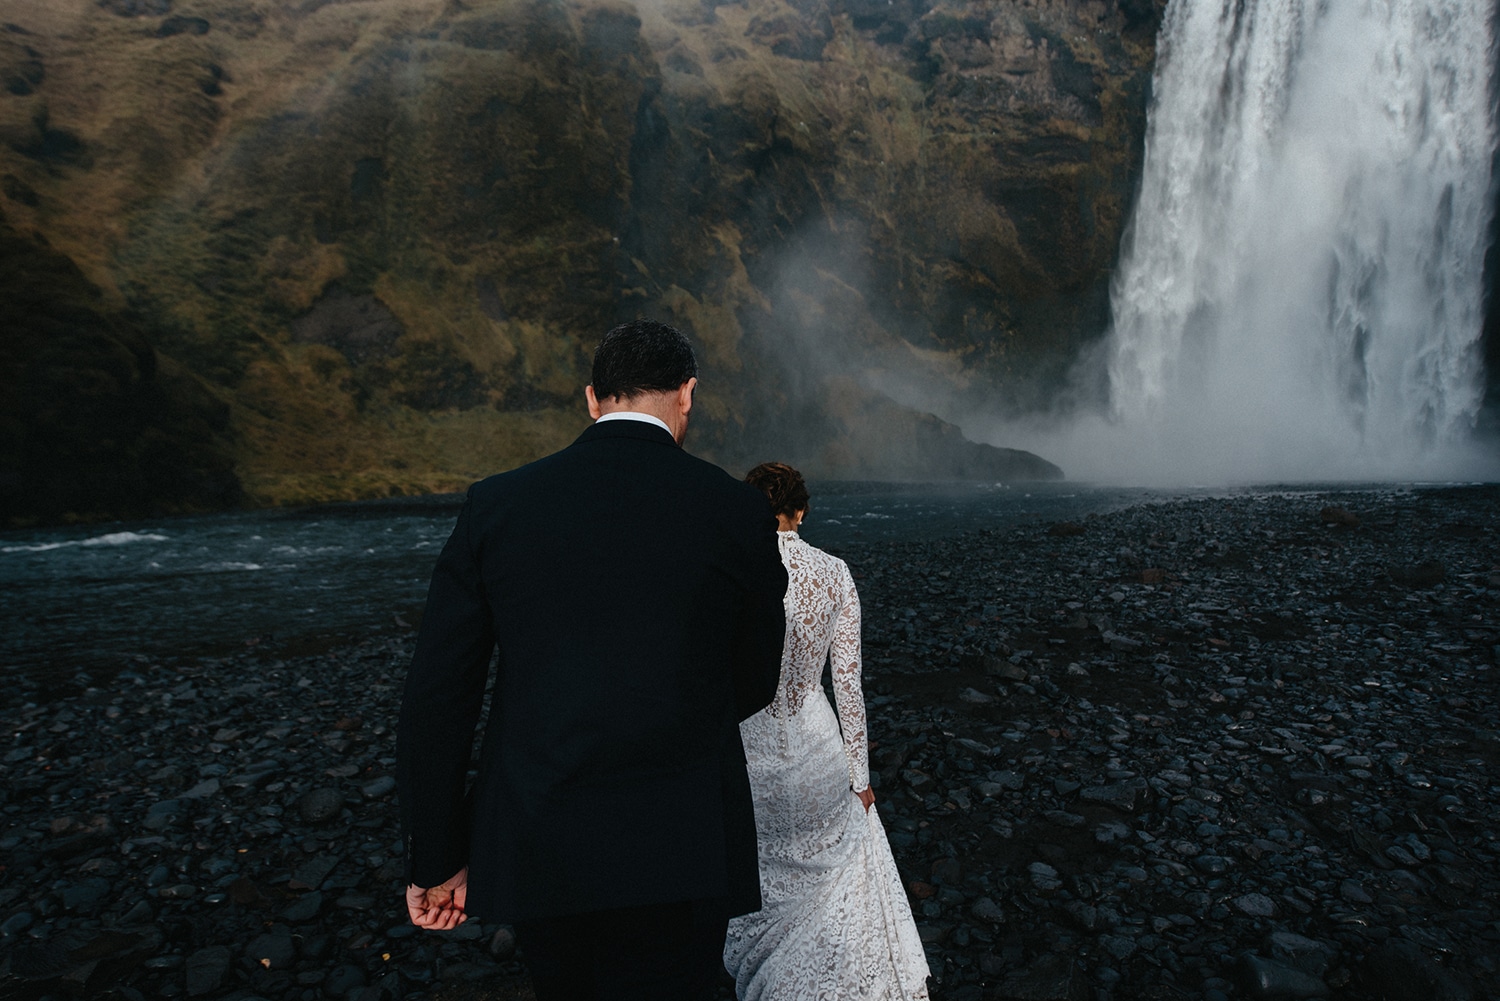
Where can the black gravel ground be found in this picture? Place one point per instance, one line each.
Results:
(1218, 748)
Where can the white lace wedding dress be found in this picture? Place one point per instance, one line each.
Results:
(836, 925)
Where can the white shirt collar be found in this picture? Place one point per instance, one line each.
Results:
(631, 415)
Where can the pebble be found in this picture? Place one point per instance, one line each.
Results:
(1274, 981)
(1309, 956)
(1289, 762)
(205, 970)
(305, 908)
(16, 923)
(377, 788)
(1044, 877)
(986, 909)
(1405, 973)
(343, 979)
(273, 952)
(502, 943)
(1120, 795)
(1256, 905)
(318, 806)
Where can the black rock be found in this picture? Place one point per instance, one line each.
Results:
(39, 960)
(318, 806)
(304, 908)
(1401, 971)
(1308, 955)
(378, 787)
(273, 951)
(1121, 795)
(503, 943)
(206, 969)
(1272, 981)
(343, 979)
(1051, 978)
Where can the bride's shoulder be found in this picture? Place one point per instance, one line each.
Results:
(822, 557)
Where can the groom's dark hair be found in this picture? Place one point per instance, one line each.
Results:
(643, 356)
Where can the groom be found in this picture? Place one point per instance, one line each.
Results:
(634, 596)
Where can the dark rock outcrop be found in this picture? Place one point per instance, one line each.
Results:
(393, 253)
(94, 422)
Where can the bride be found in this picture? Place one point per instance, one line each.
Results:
(836, 923)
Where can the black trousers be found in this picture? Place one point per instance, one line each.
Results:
(661, 952)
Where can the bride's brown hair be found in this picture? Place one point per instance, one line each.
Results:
(782, 485)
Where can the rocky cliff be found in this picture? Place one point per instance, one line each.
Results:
(365, 247)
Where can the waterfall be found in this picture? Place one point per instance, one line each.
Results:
(1299, 293)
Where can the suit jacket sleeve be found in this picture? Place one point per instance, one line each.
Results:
(762, 633)
(439, 709)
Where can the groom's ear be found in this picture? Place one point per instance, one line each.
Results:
(595, 411)
(685, 395)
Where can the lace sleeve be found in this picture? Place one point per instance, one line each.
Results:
(847, 692)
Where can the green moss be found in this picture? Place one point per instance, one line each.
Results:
(813, 195)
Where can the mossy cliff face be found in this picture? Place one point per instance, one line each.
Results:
(383, 236)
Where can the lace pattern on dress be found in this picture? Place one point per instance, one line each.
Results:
(822, 622)
(835, 923)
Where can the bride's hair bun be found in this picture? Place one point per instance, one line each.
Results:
(782, 485)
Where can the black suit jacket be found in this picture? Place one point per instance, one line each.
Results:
(634, 594)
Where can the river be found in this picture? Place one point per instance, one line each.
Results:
(82, 602)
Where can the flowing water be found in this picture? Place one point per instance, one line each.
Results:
(91, 598)
(1300, 291)
(1306, 259)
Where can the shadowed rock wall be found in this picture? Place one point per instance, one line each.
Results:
(385, 235)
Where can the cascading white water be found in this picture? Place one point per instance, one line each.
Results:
(1300, 292)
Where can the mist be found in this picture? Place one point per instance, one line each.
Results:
(1300, 292)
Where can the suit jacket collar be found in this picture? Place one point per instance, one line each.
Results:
(626, 429)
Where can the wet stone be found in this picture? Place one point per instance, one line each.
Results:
(1044, 877)
(1273, 981)
(1256, 905)
(1063, 818)
(985, 909)
(503, 943)
(1286, 641)
(1111, 831)
(318, 806)
(205, 970)
(1406, 973)
(16, 923)
(273, 952)
(343, 979)
(1050, 978)
(376, 788)
(202, 790)
(1120, 795)
(312, 873)
(469, 931)
(305, 908)
(86, 894)
(1308, 955)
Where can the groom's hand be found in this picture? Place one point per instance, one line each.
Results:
(866, 797)
(439, 908)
